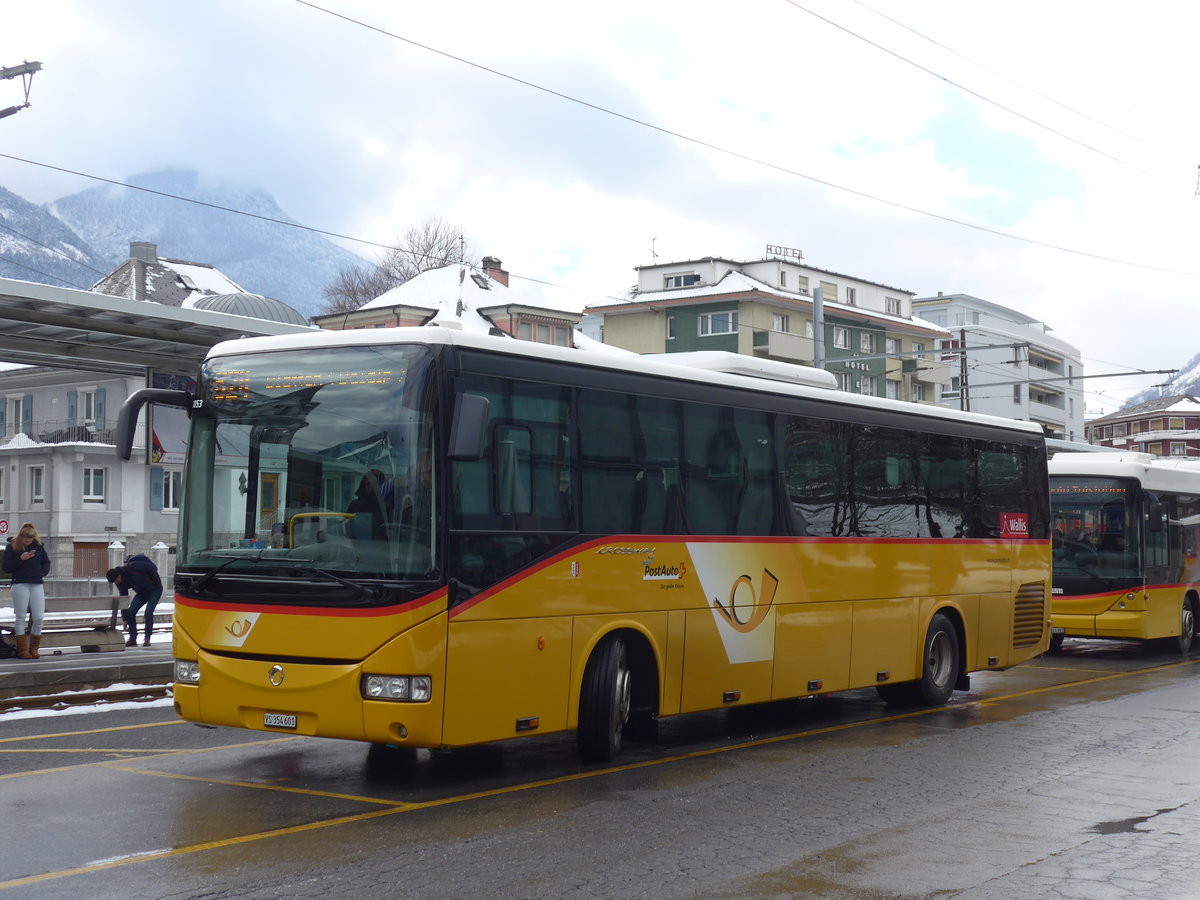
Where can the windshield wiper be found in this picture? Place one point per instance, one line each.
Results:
(363, 590)
(199, 583)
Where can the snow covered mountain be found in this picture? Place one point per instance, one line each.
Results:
(264, 257)
(35, 246)
(1186, 381)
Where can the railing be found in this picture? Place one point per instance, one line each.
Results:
(63, 431)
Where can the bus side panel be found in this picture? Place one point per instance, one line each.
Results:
(709, 674)
(1163, 605)
(506, 678)
(991, 636)
(812, 645)
(884, 640)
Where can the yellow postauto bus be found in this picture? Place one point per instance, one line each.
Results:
(1125, 534)
(428, 538)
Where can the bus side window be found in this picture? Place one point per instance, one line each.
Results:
(813, 474)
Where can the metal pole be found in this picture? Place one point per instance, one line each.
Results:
(818, 329)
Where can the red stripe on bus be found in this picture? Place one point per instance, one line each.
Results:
(355, 613)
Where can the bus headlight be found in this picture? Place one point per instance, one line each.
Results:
(403, 688)
(187, 671)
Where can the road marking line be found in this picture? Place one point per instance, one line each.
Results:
(155, 855)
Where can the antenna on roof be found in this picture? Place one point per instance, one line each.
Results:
(653, 253)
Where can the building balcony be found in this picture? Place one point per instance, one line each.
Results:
(929, 371)
(63, 432)
(791, 348)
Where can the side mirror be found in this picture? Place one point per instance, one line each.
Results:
(469, 427)
(127, 417)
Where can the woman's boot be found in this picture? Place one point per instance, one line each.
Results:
(35, 641)
(23, 647)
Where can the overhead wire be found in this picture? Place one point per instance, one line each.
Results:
(1002, 75)
(745, 157)
(971, 91)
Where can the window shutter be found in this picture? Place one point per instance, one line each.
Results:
(27, 415)
(72, 406)
(156, 487)
(99, 407)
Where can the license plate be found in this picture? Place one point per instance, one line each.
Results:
(279, 720)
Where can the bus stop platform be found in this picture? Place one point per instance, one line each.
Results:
(74, 671)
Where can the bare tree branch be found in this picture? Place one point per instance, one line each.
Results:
(430, 245)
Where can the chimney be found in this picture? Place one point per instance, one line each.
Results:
(140, 253)
(493, 268)
(144, 251)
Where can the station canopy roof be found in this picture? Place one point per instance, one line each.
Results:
(43, 325)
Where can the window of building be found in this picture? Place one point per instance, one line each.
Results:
(892, 387)
(1176, 424)
(866, 342)
(1, 487)
(782, 278)
(562, 336)
(891, 306)
(852, 296)
(717, 323)
(37, 476)
(829, 291)
(891, 346)
(93, 484)
(1118, 430)
(87, 407)
(172, 489)
(918, 347)
(524, 331)
(670, 328)
(678, 281)
(841, 338)
(17, 415)
(1155, 449)
(780, 322)
(918, 393)
(1016, 393)
(808, 328)
(1178, 448)
(867, 385)
(843, 380)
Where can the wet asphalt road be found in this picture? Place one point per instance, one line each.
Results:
(1074, 776)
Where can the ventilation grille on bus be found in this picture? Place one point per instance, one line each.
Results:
(1029, 614)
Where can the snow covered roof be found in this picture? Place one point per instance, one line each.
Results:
(1183, 404)
(737, 282)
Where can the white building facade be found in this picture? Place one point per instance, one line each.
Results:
(1012, 366)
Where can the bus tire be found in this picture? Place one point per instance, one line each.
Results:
(1056, 642)
(604, 701)
(1187, 626)
(940, 669)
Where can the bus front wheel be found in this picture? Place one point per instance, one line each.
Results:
(940, 668)
(604, 701)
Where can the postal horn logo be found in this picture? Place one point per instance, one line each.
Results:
(746, 608)
(240, 628)
(230, 629)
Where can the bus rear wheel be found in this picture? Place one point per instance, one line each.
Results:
(1187, 626)
(940, 669)
(604, 701)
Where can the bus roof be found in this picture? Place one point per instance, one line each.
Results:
(767, 378)
(1156, 473)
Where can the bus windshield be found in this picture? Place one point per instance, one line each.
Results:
(322, 460)
(1095, 526)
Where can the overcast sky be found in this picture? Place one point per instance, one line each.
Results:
(1039, 155)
